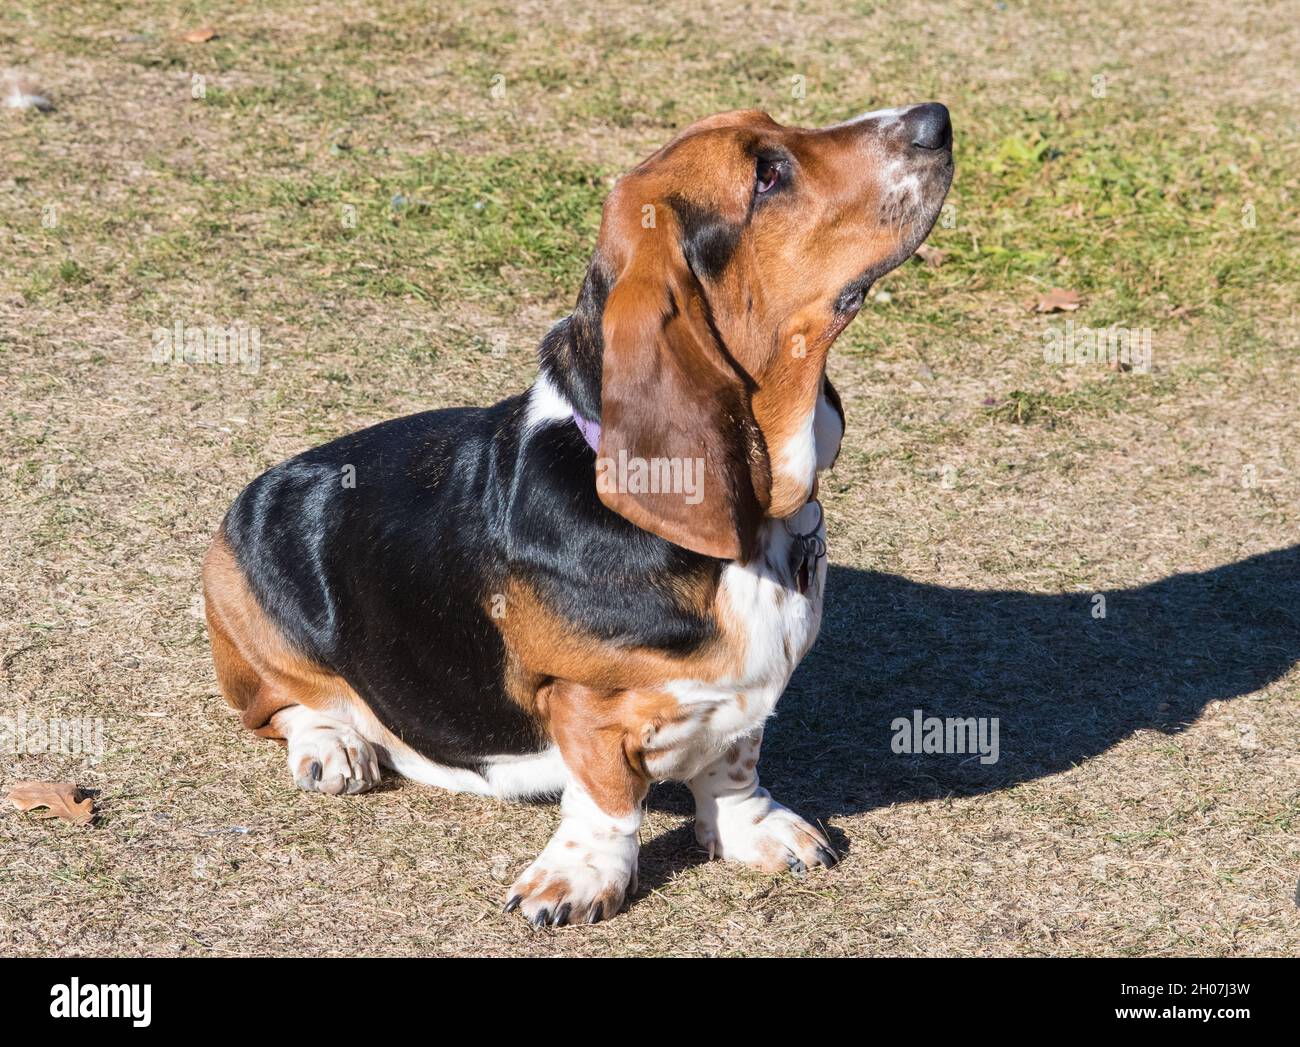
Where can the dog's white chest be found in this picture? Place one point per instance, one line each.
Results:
(773, 614)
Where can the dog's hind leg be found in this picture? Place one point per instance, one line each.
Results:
(278, 693)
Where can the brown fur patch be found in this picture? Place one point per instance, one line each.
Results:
(544, 646)
(775, 312)
(258, 671)
(597, 733)
(669, 393)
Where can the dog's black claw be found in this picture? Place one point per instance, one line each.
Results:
(827, 856)
(562, 914)
(543, 915)
(314, 770)
(513, 903)
(597, 914)
(796, 864)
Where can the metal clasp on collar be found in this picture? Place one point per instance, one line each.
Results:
(813, 547)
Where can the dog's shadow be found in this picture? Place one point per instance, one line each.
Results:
(1067, 676)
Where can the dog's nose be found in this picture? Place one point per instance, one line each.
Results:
(929, 126)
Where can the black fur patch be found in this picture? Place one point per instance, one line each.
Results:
(389, 583)
(707, 241)
(592, 565)
(833, 398)
(850, 298)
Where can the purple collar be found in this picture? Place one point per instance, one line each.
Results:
(590, 431)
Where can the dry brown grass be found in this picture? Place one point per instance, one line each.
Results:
(1148, 793)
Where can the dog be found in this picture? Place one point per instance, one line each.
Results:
(607, 580)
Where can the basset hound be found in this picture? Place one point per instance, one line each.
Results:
(608, 579)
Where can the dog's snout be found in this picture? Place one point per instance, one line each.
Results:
(929, 126)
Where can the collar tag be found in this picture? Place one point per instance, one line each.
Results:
(806, 549)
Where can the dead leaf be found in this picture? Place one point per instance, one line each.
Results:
(1058, 301)
(201, 35)
(931, 256)
(53, 800)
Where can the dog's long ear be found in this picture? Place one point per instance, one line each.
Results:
(675, 407)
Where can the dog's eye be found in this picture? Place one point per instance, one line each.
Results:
(767, 175)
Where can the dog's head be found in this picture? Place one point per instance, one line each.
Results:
(727, 264)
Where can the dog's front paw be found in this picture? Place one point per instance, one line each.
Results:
(576, 880)
(759, 832)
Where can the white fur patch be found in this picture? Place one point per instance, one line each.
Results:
(755, 830)
(505, 777)
(779, 624)
(546, 405)
(326, 755)
(900, 193)
(814, 447)
(584, 872)
(797, 461)
(738, 821)
(885, 117)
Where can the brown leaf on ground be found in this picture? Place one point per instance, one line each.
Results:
(53, 800)
(201, 35)
(1058, 301)
(931, 256)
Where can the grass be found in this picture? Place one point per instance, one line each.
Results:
(403, 197)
